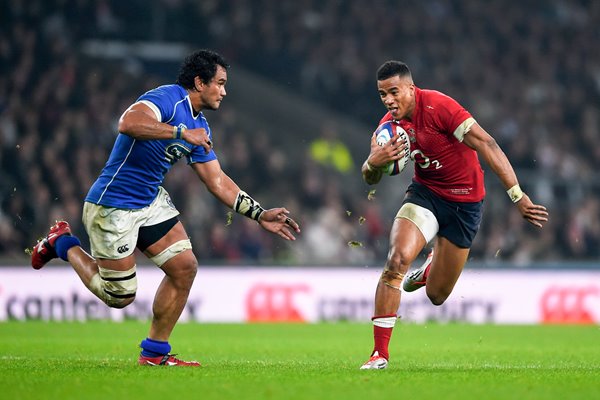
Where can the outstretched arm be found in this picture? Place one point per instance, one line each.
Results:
(274, 220)
(487, 148)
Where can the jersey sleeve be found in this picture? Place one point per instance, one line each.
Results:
(199, 154)
(162, 101)
(452, 117)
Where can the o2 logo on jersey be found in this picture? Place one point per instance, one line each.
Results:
(175, 151)
(423, 161)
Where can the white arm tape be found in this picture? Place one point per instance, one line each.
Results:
(462, 129)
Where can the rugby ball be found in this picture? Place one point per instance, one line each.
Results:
(384, 133)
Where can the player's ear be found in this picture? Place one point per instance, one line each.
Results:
(198, 83)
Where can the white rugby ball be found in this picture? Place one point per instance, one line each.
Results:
(384, 133)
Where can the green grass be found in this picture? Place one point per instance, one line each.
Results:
(97, 361)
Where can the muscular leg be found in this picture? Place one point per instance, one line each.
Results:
(406, 242)
(172, 294)
(447, 265)
(86, 267)
(84, 264)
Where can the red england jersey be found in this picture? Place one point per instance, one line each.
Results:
(444, 164)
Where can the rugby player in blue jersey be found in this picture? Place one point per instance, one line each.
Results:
(126, 206)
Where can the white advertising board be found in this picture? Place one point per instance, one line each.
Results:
(250, 294)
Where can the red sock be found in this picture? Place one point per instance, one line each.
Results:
(382, 333)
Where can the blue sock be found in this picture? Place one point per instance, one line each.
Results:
(154, 348)
(63, 244)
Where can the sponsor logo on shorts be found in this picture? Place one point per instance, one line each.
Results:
(123, 249)
(169, 201)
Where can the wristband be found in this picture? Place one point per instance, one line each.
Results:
(370, 168)
(178, 132)
(246, 205)
(515, 193)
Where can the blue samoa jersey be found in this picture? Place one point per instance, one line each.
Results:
(136, 168)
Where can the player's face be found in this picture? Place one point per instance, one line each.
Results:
(213, 92)
(398, 96)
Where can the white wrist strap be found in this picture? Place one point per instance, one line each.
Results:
(515, 193)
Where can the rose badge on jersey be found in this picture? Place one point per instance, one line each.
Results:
(384, 133)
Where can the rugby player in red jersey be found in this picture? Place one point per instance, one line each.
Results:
(444, 201)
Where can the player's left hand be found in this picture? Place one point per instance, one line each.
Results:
(199, 137)
(534, 214)
(276, 220)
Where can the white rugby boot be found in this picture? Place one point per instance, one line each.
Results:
(375, 362)
(418, 278)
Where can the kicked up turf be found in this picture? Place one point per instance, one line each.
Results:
(97, 360)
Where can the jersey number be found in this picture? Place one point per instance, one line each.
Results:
(424, 162)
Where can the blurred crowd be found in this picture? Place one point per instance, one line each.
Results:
(528, 71)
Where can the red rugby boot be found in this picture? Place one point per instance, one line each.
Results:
(168, 360)
(44, 251)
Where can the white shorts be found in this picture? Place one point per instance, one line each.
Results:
(113, 232)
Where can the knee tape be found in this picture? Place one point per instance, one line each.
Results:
(171, 251)
(422, 218)
(391, 278)
(115, 288)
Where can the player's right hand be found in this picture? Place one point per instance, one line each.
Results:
(198, 137)
(381, 156)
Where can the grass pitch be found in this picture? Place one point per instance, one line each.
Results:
(262, 361)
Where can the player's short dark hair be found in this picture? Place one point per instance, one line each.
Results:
(201, 63)
(392, 68)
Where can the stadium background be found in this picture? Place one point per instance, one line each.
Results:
(293, 130)
(301, 105)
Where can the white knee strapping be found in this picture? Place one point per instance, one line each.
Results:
(422, 218)
(115, 288)
(171, 251)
